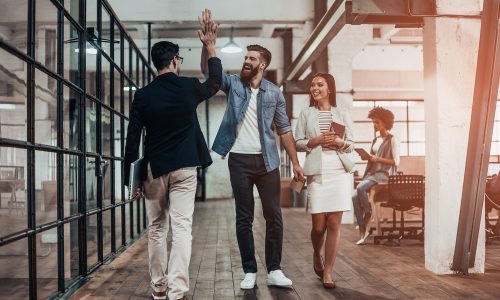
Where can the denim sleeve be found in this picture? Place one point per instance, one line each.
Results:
(281, 120)
(226, 82)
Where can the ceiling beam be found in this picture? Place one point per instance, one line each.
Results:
(328, 27)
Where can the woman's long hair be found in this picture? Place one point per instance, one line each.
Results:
(330, 81)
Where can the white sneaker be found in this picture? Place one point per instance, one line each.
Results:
(277, 278)
(248, 282)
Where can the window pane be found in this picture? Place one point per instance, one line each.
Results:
(363, 132)
(416, 111)
(126, 57)
(46, 34)
(46, 261)
(128, 220)
(118, 181)
(495, 148)
(14, 278)
(417, 132)
(45, 187)
(106, 183)
(71, 255)
(133, 75)
(403, 149)
(417, 149)
(118, 53)
(117, 137)
(91, 126)
(91, 180)
(14, 23)
(71, 128)
(138, 210)
(45, 109)
(106, 131)
(71, 56)
(12, 190)
(91, 241)
(399, 130)
(128, 90)
(106, 232)
(105, 81)
(118, 226)
(70, 185)
(72, 6)
(106, 31)
(91, 71)
(118, 90)
(12, 97)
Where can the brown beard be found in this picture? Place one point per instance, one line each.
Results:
(245, 78)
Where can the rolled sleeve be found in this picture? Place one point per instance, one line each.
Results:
(395, 150)
(281, 120)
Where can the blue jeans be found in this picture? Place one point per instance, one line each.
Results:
(360, 200)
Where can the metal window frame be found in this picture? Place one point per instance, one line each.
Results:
(78, 87)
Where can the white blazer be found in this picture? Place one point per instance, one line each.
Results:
(308, 128)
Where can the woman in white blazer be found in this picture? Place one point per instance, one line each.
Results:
(327, 167)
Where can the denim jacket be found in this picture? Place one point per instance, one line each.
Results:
(271, 114)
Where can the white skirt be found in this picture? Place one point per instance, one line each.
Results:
(332, 190)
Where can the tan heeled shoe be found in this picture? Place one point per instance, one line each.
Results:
(319, 272)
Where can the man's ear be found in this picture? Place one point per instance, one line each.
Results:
(263, 66)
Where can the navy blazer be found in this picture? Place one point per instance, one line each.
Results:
(166, 108)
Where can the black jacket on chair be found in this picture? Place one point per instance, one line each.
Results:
(166, 108)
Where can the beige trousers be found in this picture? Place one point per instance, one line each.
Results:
(170, 198)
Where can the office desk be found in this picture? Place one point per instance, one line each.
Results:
(11, 186)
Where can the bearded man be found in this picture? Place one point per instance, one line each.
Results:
(254, 109)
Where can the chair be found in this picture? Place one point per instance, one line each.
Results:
(405, 192)
(492, 201)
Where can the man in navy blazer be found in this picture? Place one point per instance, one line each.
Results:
(174, 148)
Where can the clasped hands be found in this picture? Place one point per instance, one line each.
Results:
(208, 28)
(328, 140)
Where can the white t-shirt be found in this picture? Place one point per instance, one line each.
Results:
(394, 146)
(247, 132)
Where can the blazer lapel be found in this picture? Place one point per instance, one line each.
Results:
(314, 118)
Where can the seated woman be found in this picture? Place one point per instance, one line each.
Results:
(384, 158)
(327, 166)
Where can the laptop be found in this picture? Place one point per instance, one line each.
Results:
(135, 178)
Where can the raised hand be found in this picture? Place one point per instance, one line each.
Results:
(208, 28)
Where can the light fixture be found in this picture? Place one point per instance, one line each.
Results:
(6, 106)
(128, 88)
(231, 46)
(89, 49)
(92, 36)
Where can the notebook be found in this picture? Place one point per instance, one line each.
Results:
(297, 186)
(362, 152)
(339, 129)
(135, 178)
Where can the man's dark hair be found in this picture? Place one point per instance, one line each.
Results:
(162, 54)
(384, 115)
(264, 53)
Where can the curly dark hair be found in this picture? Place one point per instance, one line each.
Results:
(330, 81)
(384, 115)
